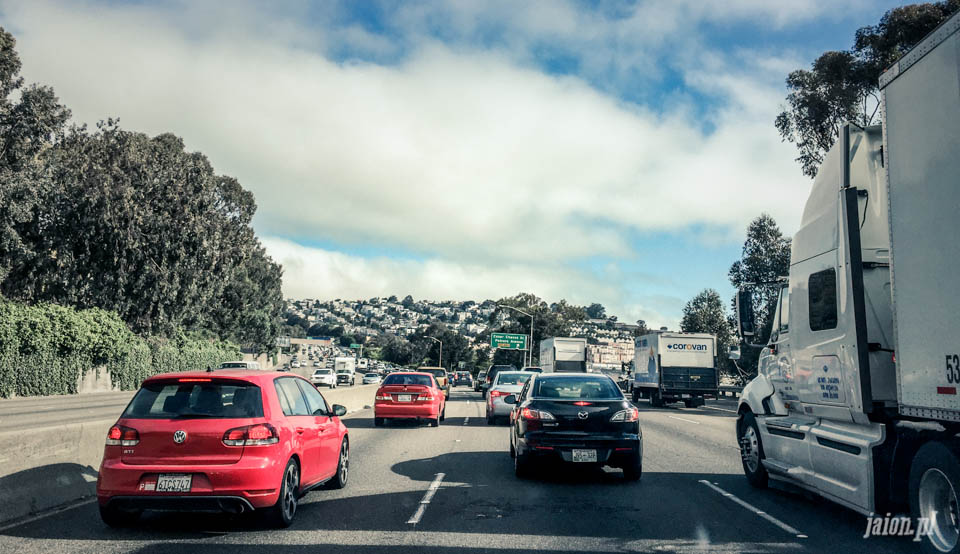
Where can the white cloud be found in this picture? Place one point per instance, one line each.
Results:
(458, 154)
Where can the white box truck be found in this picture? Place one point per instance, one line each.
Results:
(673, 367)
(563, 354)
(857, 396)
(346, 370)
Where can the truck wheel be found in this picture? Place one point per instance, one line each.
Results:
(751, 451)
(934, 480)
(635, 395)
(655, 399)
(689, 403)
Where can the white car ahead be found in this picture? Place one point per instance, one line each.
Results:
(504, 384)
(371, 379)
(324, 377)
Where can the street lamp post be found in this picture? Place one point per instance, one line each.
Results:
(440, 358)
(530, 344)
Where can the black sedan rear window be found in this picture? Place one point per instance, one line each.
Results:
(196, 399)
(576, 387)
(407, 380)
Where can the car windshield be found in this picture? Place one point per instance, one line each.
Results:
(395, 379)
(576, 388)
(512, 378)
(322, 372)
(210, 399)
(372, 375)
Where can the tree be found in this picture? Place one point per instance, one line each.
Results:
(765, 258)
(407, 302)
(596, 311)
(641, 328)
(842, 85)
(704, 313)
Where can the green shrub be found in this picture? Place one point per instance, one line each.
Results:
(46, 348)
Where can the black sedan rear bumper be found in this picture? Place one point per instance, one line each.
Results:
(615, 451)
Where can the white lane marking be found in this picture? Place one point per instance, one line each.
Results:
(720, 409)
(683, 419)
(431, 490)
(45, 515)
(755, 510)
(466, 420)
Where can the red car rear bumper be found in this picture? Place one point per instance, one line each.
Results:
(254, 480)
(396, 410)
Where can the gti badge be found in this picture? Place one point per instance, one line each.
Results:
(179, 437)
(583, 415)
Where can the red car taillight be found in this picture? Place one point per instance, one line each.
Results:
(119, 435)
(260, 434)
(498, 393)
(626, 416)
(383, 397)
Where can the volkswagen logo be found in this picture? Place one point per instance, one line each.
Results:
(583, 415)
(179, 437)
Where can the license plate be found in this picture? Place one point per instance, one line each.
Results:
(175, 482)
(404, 397)
(584, 455)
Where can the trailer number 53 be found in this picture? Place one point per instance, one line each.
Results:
(953, 368)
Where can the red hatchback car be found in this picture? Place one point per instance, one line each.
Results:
(225, 441)
(409, 395)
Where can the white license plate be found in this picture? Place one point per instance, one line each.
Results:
(584, 455)
(404, 397)
(175, 482)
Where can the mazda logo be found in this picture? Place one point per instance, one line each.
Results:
(179, 437)
(583, 415)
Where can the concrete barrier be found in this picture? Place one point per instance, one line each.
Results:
(45, 467)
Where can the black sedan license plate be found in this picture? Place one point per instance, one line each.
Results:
(584, 455)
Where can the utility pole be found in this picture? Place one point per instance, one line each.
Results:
(440, 358)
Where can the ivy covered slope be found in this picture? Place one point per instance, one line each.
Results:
(46, 348)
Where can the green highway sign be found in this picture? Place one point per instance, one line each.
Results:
(507, 341)
(354, 345)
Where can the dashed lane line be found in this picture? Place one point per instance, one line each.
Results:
(755, 510)
(684, 419)
(431, 490)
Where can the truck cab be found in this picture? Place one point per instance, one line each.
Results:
(855, 397)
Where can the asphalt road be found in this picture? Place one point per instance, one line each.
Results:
(692, 498)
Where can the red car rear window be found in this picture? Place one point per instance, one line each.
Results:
(213, 399)
(407, 380)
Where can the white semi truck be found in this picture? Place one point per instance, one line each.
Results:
(857, 396)
(563, 354)
(674, 367)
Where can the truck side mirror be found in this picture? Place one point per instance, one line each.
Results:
(734, 353)
(746, 325)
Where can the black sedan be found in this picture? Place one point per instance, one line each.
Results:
(577, 419)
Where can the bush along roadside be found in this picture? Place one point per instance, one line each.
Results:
(46, 348)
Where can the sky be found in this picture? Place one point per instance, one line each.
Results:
(609, 152)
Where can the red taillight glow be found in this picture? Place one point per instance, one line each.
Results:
(498, 393)
(194, 380)
(261, 434)
(582, 403)
(119, 435)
